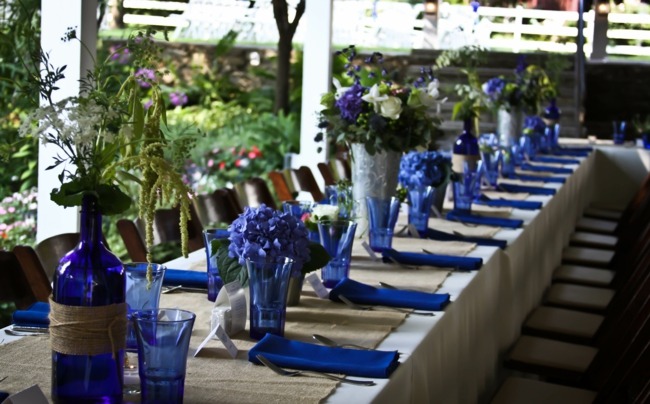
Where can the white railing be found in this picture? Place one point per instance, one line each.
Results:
(396, 25)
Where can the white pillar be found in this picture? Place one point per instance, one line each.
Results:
(316, 80)
(56, 17)
(599, 40)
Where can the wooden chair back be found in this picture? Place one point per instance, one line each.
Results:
(13, 285)
(34, 273)
(50, 251)
(257, 192)
(280, 186)
(305, 181)
(221, 206)
(326, 173)
(342, 168)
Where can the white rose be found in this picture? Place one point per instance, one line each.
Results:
(321, 211)
(391, 108)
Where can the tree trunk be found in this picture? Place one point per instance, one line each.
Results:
(286, 30)
(283, 75)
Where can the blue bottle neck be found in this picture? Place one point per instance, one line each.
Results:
(90, 221)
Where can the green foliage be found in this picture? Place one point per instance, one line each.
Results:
(18, 219)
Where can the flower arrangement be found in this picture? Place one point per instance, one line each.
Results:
(18, 219)
(377, 112)
(526, 89)
(320, 212)
(534, 124)
(265, 234)
(427, 168)
(106, 136)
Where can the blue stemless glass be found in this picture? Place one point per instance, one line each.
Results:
(163, 342)
(215, 283)
(268, 284)
(382, 217)
(141, 294)
(465, 190)
(420, 200)
(337, 237)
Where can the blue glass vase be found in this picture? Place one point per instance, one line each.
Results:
(466, 150)
(90, 276)
(420, 200)
(215, 283)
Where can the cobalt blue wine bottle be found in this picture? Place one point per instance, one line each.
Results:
(466, 150)
(88, 345)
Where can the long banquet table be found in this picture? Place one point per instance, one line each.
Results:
(455, 356)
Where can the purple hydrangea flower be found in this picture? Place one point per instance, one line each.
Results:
(350, 103)
(145, 77)
(265, 234)
(494, 87)
(423, 169)
(178, 99)
(534, 124)
(475, 5)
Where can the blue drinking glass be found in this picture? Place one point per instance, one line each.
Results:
(337, 237)
(297, 208)
(619, 132)
(268, 284)
(420, 200)
(489, 150)
(382, 217)
(466, 189)
(141, 294)
(215, 283)
(163, 337)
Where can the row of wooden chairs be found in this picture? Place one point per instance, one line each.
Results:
(590, 339)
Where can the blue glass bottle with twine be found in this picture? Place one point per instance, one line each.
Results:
(88, 318)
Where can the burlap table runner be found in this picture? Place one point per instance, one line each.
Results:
(449, 226)
(413, 244)
(514, 181)
(514, 196)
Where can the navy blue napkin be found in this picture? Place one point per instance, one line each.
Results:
(361, 293)
(525, 188)
(547, 169)
(442, 236)
(527, 177)
(508, 203)
(485, 220)
(34, 316)
(185, 277)
(571, 152)
(3, 396)
(558, 160)
(304, 356)
(436, 260)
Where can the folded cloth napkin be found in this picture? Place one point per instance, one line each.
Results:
(305, 356)
(500, 202)
(571, 152)
(35, 315)
(549, 159)
(486, 220)
(185, 277)
(526, 177)
(361, 293)
(442, 236)
(525, 188)
(3, 396)
(436, 260)
(547, 169)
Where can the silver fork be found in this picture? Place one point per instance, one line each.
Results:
(291, 373)
(353, 305)
(330, 342)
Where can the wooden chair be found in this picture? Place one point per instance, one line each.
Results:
(14, 286)
(34, 273)
(306, 182)
(342, 168)
(280, 186)
(221, 206)
(50, 251)
(257, 192)
(166, 231)
(326, 173)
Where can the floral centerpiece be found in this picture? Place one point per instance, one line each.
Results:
(320, 212)
(371, 109)
(526, 89)
(106, 136)
(427, 168)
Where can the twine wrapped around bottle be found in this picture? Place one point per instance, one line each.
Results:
(84, 330)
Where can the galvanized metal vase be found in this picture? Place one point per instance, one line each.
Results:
(510, 126)
(372, 175)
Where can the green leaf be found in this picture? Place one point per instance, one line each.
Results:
(112, 200)
(318, 258)
(230, 269)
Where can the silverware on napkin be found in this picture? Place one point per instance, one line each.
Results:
(353, 305)
(330, 342)
(291, 373)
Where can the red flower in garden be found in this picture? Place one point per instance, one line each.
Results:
(254, 153)
(222, 165)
